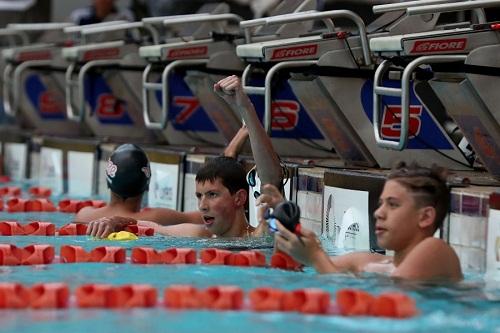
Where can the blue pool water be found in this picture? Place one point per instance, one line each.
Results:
(464, 307)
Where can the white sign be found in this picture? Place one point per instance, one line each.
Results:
(15, 160)
(190, 201)
(102, 185)
(493, 245)
(35, 165)
(346, 217)
(80, 173)
(164, 185)
(51, 169)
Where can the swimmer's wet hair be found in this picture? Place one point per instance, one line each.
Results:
(428, 185)
(228, 170)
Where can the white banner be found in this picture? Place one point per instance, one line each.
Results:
(493, 245)
(51, 169)
(190, 201)
(346, 217)
(15, 160)
(164, 185)
(80, 173)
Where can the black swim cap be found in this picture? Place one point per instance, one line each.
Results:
(128, 172)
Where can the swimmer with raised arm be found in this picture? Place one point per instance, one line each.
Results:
(268, 164)
(412, 206)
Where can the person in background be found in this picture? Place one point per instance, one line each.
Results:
(100, 11)
(412, 206)
(127, 175)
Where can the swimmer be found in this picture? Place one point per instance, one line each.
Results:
(222, 194)
(412, 206)
(128, 175)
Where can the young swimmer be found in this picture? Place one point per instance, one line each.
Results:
(412, 207)
(222, 194)
(128, 174)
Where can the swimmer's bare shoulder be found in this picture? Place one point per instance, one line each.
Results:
(87, 214)
(166, 216)
(179, 230)
(356, 262)
(431, 259)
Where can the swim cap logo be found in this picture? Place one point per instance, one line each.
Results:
(111, 169)
(146, 171)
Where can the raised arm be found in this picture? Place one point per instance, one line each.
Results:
(266, 159)
(234, 147)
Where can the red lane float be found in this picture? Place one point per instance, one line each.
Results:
(246, 258)
(18, 205)
(222, 298)
(133, 296)
(94, 296)
(109, 254)
(284, 261)
(40, 191)
(10, 191)
(212, 256)
(74, 206)
(38, 228)
(10, 255)
(39, 254)
(39, 205)
(145, 255)
(309, 300)
(266, 299)
(4, 179)
(179, 256)
(49, 296)
(1, 205)
(140, 230)
(73, 229)
(11, 228)
(393, 305)
(13, 296)
(35, 228)
(73, 253)
(354, 302)
(182, 297)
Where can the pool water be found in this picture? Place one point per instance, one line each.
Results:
(470, 306)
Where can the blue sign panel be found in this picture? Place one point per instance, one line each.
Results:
(47, 103)
(424, 132)
(185, 112)
(289, 117)
(105, 106)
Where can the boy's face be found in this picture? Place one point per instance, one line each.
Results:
(397, 217)
(217, 205)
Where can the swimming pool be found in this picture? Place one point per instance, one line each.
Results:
(465, 307)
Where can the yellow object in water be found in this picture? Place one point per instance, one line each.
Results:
(122, 236)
